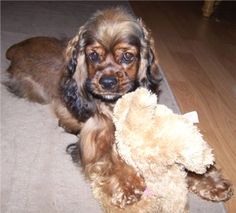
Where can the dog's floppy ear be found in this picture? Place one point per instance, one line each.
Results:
(75, 57)
(72, 84)
(148, 73)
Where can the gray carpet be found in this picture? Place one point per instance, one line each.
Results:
(36, 173)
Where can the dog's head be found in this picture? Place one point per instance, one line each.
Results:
(112, 54)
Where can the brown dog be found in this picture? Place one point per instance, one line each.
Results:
(112, 54)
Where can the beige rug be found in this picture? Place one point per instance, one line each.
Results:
(36, 173)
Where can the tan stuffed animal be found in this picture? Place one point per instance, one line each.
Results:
(160, 145)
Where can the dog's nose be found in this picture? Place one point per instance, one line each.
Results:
(108, 82)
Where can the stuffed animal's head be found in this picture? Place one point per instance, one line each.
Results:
(149, 133)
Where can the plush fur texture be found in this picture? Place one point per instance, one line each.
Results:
(161, 146)
(112, 54)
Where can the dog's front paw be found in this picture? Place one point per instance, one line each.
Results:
(129, 191)
(210, 186)
(222, 191)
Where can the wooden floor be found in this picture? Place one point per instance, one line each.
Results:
(198, 57)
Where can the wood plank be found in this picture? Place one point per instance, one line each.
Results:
(198, 57)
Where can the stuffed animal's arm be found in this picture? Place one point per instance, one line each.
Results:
(182, 139)
(196, 155)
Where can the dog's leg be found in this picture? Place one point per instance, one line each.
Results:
(36, 68)
(210, 186)
(65, 119)
(103, 166)
(26, 87)
(124, 184)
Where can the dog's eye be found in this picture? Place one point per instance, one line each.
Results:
(94, 57)
(127, 58)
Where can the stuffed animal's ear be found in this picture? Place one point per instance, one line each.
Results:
(148, 71)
